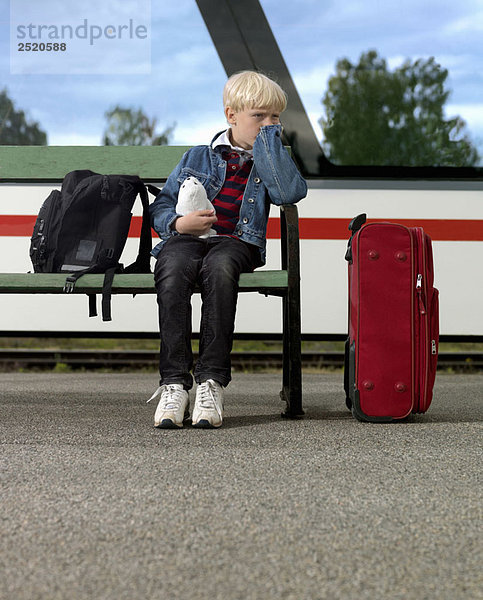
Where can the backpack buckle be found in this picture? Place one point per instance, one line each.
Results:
(69, 285)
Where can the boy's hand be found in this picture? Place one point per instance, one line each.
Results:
(197, 222)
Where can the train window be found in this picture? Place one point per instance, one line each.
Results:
(384, 83)
(387, 83)
(57, 93)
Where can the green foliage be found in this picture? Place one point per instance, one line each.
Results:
(377, 117)
(15, 130)
(61, 367)
(130, 127)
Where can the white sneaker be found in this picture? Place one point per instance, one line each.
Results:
(172, 408)
(208, 409)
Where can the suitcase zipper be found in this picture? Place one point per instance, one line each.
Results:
(421, 290)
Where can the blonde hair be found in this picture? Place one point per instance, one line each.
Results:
(249, 89)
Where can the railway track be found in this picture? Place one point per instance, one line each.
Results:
(14, 358)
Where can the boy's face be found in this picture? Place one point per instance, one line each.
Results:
(245, 124)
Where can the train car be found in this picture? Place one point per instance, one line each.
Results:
(451, 212)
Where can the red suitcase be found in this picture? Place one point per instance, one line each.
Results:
(392, 348)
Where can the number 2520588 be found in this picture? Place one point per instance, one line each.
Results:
(41, 47)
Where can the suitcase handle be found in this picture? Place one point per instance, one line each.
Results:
(357, 223)
(354, 226)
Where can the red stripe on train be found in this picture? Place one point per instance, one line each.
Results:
(337, 229)
(464, 230)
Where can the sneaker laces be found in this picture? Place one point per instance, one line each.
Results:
(170, 395)
(206, 396)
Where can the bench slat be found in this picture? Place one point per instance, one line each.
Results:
(51, 163)
(265, 281)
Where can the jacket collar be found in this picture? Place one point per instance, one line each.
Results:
(222, 140)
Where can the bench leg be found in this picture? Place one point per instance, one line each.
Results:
(291, 392)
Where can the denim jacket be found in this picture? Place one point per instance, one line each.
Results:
(274, 178)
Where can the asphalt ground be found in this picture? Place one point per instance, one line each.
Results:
(97, 504)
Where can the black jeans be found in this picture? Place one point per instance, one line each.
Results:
(214, 264)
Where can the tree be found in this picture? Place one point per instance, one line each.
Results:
(15, 130)
(378, 117)
(130, 127)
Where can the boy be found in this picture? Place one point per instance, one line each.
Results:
(244, 169)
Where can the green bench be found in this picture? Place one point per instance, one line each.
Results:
(49, 164)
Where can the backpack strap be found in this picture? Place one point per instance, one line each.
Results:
(106, 294)
(153, 189)
(92, 305)
(71, 280)
(142, 262)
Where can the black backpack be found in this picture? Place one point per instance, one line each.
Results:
(84, 227)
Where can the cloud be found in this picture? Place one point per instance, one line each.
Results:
(314, 118)
(201, 130)
(467, 23)
(471, 113)
(313, 81)
(194, 130)
(62, 138)
(311, 86)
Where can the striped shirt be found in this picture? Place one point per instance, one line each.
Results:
(228, 200)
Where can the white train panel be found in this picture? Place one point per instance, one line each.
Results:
(324, 215)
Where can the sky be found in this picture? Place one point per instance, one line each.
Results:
(171, 69)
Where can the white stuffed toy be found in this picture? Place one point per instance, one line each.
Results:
(192, 196)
